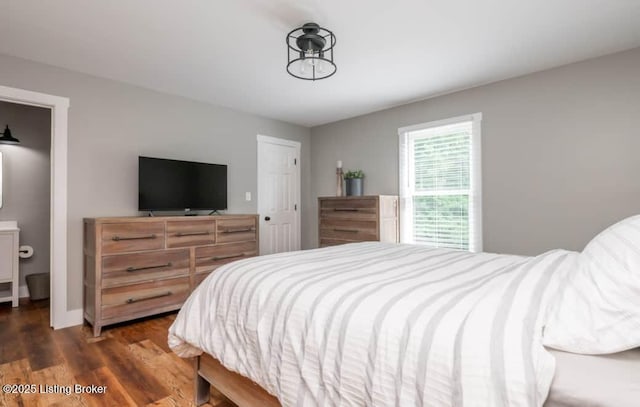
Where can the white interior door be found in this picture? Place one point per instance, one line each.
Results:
(278, 194)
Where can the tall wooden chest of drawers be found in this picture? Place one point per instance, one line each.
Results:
(348, 219)
(140, 266)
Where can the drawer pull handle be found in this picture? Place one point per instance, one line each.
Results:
(238, 230)
(150, 297)
(230, 256)
(346, 230)
(346, 209)
(181, 234)
(159, 266)
(118, 238)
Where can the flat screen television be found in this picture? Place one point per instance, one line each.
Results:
(168, 185)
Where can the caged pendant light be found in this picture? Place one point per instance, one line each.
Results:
(310, 52)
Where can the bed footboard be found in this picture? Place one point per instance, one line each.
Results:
(237, 388)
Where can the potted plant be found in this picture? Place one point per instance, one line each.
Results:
(354, 182)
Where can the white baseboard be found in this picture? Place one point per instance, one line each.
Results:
(71, 318)
(23, 291)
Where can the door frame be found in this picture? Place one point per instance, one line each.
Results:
(262, 139)
(59, 316)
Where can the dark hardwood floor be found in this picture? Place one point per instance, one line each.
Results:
(131, 359)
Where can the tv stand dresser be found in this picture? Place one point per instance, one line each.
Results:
(140, 266)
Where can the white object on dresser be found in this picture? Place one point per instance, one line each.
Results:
(9, 234)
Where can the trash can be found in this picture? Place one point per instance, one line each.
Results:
(38, 285)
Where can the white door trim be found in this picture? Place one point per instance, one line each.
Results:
(281, 141)
(290, 143)
(60, 317)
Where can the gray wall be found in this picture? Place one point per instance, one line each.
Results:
(559, 152)
(111, 123)
(26, 181)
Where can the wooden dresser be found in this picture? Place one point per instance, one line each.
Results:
(348, 219)
(140, 266)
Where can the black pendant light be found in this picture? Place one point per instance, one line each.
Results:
(7, 138)
(310, 52)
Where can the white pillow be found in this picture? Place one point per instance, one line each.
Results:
(598, 308)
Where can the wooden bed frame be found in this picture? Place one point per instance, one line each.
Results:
(237, 388)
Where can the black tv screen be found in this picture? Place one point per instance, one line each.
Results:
(166, 185)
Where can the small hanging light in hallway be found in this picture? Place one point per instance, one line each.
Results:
(310, 52)
(7, 138)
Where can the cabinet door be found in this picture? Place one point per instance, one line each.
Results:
(7, 256)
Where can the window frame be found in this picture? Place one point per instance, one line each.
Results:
(406, 175)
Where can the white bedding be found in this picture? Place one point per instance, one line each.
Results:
(373, 324)
(596, 381)
(598, 311)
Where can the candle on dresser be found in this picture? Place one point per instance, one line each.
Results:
(339, 179)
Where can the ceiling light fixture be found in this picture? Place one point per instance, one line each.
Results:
(310, 52)
(7, 138)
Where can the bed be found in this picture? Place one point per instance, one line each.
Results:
(596, 380)
(375, 324)
(580, 380)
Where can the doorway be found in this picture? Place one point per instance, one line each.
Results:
(278, 194)
(59, 316)
(26, 191)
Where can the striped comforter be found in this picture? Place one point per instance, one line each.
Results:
(374, 324)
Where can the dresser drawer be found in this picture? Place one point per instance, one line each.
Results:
(354, 209)
(125, 302)
(349, 203)
(350, 225)
(191, 233)
(235, 230)
(209, 258)
(126, 269)
(131, 237)
(348, 233)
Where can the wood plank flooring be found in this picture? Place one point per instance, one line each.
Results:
(131, 359)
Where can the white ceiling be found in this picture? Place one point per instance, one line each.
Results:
(232, 53)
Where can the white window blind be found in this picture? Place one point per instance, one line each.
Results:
(440, 183)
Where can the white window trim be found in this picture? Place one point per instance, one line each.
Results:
(406, 173)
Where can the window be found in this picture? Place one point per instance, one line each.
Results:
(440, 178)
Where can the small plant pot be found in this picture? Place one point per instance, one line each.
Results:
(354, 186)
